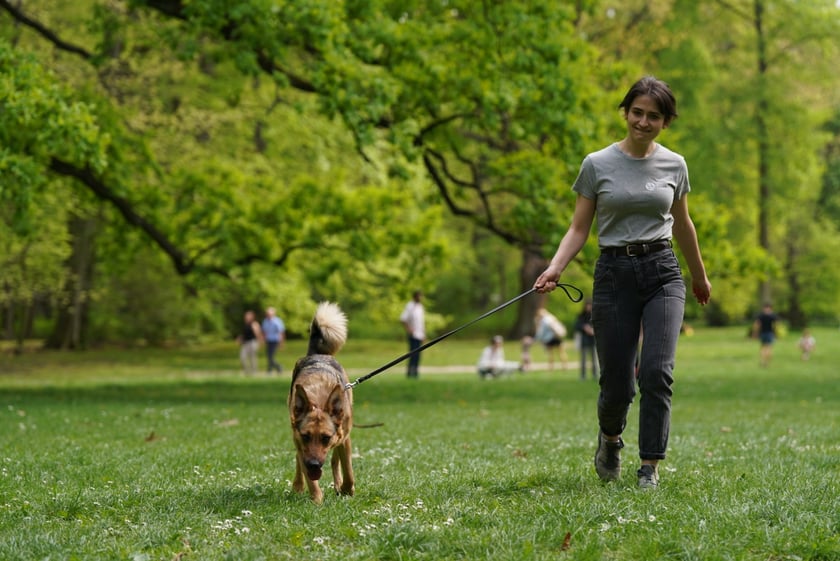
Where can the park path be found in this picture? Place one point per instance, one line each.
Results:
(459, 368)
(399, 369)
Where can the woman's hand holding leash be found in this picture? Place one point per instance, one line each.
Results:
(547, 281)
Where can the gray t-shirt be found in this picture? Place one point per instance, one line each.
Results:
(633, 196)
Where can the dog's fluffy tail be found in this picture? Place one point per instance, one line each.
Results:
(328, 331)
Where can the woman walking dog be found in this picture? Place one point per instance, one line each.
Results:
(638, 191)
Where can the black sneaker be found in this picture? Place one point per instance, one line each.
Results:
(648, 477)
(608, 458)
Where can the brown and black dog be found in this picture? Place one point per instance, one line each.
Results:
(320, 409)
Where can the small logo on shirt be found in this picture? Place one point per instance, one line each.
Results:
(650, 185)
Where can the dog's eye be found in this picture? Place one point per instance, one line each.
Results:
(325, 440)
(306, 438)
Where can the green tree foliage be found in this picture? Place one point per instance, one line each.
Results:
(41, 120)
(288, 151)
(497, 100)
(216, 205)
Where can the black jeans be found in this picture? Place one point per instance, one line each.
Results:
(632, 293)
(413, 360)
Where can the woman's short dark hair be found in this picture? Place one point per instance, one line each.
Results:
(658, 90)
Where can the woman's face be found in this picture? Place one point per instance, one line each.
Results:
(644, 120)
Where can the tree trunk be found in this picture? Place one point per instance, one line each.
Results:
(795, 314)
(8, 321)
(26, 322)
(532, 265)
(68, 331)
(764, 190)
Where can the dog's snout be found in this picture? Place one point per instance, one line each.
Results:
(313, 469)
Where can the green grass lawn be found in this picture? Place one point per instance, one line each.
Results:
(163, 455)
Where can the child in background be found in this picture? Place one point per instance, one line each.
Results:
(492, 362)
(527, 342)
(807, 344)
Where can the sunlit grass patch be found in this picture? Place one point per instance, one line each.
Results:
(127, 466)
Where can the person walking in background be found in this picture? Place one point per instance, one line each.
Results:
(586, 337)
(550, 332)
(274, 331)
(638, 191)
(807, 342)
(764, 327)
(492, 362)
(413, 319)
(527, 343)
(249, 343)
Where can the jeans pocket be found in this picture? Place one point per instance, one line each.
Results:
(668, 268)
(603, 288)
(603, 274)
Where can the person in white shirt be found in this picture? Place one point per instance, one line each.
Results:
(492, 362)
(413, 319)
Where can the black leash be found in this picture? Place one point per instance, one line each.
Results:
(565, 287)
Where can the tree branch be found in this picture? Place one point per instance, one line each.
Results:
(418, 139)
(124, 206)
(175, 9)
(449, 175)
(171, 8)
(440, 182)
(735, 9)
(183, 264)
(42, 30)
(444, 192)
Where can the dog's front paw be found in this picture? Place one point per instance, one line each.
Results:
(316, 495)
(348, 489)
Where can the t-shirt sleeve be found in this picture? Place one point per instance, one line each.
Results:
(585, 185)
(683, 186)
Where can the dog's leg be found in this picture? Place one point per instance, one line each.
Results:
(345, 455)
(297, 484)
(336, 471)
(315, 492)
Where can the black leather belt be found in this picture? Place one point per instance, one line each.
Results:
(636, 249)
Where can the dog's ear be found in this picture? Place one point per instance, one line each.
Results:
(300, 402)
(337, 404)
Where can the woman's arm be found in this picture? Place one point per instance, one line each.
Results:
(258, 332)
(686, 236)
(570, 245)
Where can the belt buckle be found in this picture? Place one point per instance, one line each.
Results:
(631, 250)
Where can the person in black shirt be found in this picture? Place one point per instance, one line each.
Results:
(249, 342)
(764, 327)
(586, 337)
